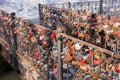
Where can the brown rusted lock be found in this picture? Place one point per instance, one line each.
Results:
(68, 56)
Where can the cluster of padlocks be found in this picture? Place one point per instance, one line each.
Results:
(5, 27)
(101, 30)
(84, 62)
(80, 61)
(34, 43)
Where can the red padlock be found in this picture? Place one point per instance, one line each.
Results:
(96, 62)
(118, 69)
(53, 36)
(82, 61)
(118, 34)
(78, 24)
(90, 54)
(37, 56)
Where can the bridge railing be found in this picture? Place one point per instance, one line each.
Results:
(78, 23)
(33, 43)
(77, 19)
(39, 47)
(6, 32)
(78, 59)
(109, 7)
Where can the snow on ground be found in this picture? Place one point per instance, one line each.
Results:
(29, 8)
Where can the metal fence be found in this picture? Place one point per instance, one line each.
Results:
(28, 45)
(62, 16)
(76, 64)
(34, 44)
(29, 40)
(107, 7)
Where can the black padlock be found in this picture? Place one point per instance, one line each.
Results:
(13, 15)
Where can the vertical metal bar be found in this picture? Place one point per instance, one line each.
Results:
(101, 6)
(59, 66)
(14, 32)
(92, 6)
(77, 6)
(67, 72)
(105, 44)
(69, 8)
(39, 7)
(48, 69)
(15, 62)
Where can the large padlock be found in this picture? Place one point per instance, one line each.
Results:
(82, 61)
(85, 52)
(117, 67)
(78, 46)
(84, 67)
(96, 62)
(68, 56)
(68, 43)
(53, 36)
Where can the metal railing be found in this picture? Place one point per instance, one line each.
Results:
(108, 7)
(30, 38)
(30, 43)
(65, 16)
(70, 20)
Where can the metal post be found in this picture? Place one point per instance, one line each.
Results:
(13, 31)
(69, 5)
(48, 65)
(39, 7)
(101, 6)
(59, 66)
(15, 62)
(69, 8)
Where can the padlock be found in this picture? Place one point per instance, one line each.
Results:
(68, 56)
(96, 62)
(85, 52)
(51, 60)
(68, 43)
(76, 63)
(45, 61)
(46, 42)
(78, 46)
(38, 63)
(80, 35)
(75, 33)
(94, 76)
(37, 55)
(84, 67)
(78, 24)
(97, 54)
(118, 69)
(82, 61)
(53, 36)
(91, 54)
